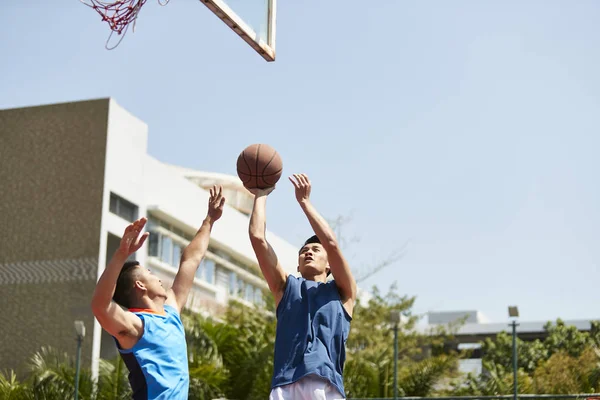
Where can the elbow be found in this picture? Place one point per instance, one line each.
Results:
(257, 241)
(99, 305)
(96, 307)
(256, 236)
(331, 244)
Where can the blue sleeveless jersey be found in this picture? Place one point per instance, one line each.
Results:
(312, 329)
(158, 363)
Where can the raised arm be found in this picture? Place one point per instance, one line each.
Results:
(267, 259)
(194, 253)
(340, 269)
(116, 321)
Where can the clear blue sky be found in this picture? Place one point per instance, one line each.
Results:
(471, 128)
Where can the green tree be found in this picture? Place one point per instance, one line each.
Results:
(12, 389)
(566, 338)
(369, 370)
(566, 361)
(564, 373)
(232, 357)
(498, 351)
(52, 377)
(112, 380)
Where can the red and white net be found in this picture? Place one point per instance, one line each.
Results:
(118, 14)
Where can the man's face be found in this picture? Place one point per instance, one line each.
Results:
(312, 259)
(152, 283)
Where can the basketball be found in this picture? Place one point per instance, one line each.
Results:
(259, 166)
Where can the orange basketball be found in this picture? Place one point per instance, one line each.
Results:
(259, 166)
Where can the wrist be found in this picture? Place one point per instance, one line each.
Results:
(209, 220)
(260, 196)
(304, 204)
(120, 256)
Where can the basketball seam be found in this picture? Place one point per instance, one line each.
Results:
(256, 176)
(249, 169)
(246, 162)
(256, 158)
(267, 164)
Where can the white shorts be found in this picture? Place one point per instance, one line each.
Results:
(310, 387)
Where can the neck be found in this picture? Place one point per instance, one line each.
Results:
(316, 277)
(147, 303)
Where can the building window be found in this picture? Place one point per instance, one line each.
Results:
(232, 283)
(258, 296)
(200, 271)
(123, 208)
(166, 247)
(176, 254)
(209, 271)
(240, 288)
(249, 295)
(153, 248)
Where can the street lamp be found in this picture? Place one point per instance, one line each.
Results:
(396, 318)
(80, 330)
(513, 312)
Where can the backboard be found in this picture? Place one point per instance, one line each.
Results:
(253, 20)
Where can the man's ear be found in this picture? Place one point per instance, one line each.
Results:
(140, 285)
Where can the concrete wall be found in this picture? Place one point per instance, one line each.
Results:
(51, 185)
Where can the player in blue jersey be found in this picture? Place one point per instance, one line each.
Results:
(133, 306)
(313, 314)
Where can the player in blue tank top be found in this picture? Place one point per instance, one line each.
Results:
(313, 314)
(133, 306)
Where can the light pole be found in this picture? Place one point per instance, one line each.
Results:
(80, 329)
(396, 318)
(513, 312)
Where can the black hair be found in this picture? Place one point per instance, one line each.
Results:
(126, 284)
(310, 240)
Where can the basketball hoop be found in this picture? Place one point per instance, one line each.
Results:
(118, 14)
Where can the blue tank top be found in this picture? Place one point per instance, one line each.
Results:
(312, 329)
(158, 363)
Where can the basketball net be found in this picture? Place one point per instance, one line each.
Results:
(119, 15)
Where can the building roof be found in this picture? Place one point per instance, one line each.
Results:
(476, 328)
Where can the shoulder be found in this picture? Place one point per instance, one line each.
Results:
(171, 311)
(332, 287)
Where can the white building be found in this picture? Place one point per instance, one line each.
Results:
(74, 175)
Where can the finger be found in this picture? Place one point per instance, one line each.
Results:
(141, 241)
(301, 180)
(307, 180)
(222, 202)
(212, 192)
(220, 191)
(298, 179)
(293, 182)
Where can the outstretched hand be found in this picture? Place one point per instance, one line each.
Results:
(131, 240)
(302, 187)
(216, 202)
